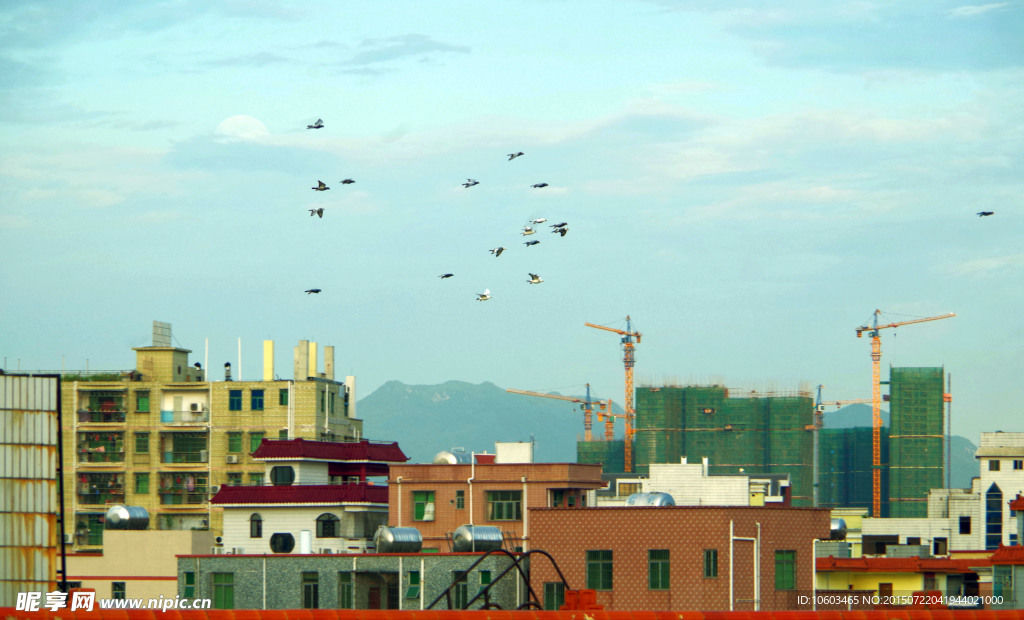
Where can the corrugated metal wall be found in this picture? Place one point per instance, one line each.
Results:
(29, 425)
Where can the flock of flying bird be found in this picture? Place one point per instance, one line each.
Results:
(561, 228)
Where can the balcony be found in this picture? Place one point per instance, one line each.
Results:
(101, 416)
(99, 455)
(182, 497)
(200, 456)
(184, 418)
(100, 489)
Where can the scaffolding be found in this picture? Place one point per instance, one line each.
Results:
(916, 439)
(845, 460)
(610, 454)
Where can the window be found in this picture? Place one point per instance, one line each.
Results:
(965, 525)
(282, 434)
(1018, 464)
(345, 596)
(914, 540)
(599, 569)
(256, 400)
(223, 590)
(117, 590)
(628, 488)
(554, 594)
(282, 475)
(711, 563)
(657, 569)
(993, 465)
(413, 591)
(190, 585)
(785, 569)
(255, 439)
(504, 505)
(310, 590)
(255, 525)
(142, 483)
(460, 500)
(234, 441)
(235, 479)
(234, 400)
(256, 480)
(141, 443)
(328, 526)
(993, 517)
(940, 545)
(282, 396)
(461, 589)
(485, 579)
(142, 402)
(423, 505)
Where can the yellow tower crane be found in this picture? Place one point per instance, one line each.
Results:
(876, 400)
(603, 410)
(628, 360)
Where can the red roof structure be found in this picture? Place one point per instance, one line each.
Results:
(354, 451)
(900, 565)
(316, 494)
(1017, 503)
(1008, 555)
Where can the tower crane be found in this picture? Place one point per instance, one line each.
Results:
(628, 360)
(603, 410)
(876, 400)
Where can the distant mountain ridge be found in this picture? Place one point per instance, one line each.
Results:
(426, 419)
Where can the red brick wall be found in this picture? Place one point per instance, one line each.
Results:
(567, 534)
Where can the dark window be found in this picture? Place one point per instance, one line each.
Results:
(235, 479)
(505, 505)
(234, 400)
(485, 579)
(993, 465)
(940, 546)
(345, 595)
(599, 569)
(965, 525)
(993, 517)
(1018, 464)
(282, 475)
(711, 562)
(461, 589)
(255, 526)
(423, 505)
(282, 396)
(914, 540)
(554, 595)
(413, 590)
(190, 585)
(256, 400)
(657, 569)
(255, 439)
(256, 480)
(460, 499)
(282, 434)
(282, 542)
(117, 589)
(141, 443)
(310, 590)
(785, 569)
(328, 526)
(223, 590)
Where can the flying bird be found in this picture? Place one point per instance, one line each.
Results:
(319, 211)
(538, 185)
(539, 220)
(320, 186)
(312, 290)
(484, 296)
(319, 124)
(560, 225)
(535, 279)
(497, 251)
(470, 183)
(985, 213)
(528, 231)
(529, 243)
(347, 182)
(561, 231)
(446, 275)
(512, 156)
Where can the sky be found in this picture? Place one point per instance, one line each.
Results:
(748, 181)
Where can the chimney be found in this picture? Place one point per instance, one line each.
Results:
(302, 361)
(268, 360)
(329, 362)
(227, 371)
(312, 359)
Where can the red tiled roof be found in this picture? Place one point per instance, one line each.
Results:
(302, 494)
(1017, 503)
(1008, 555)
(365, 450)
(899, 565)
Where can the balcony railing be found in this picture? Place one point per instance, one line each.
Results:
(168, 416)
(93, 455)
(201, 456)
(86, 416)
(105, 496)
(174, 497)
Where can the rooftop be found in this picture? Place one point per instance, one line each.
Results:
(310, 494)
(305, 449)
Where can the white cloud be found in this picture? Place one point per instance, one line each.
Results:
(973, 10)
(988, 267)
(242, 127)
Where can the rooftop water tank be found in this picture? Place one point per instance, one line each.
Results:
(476, 538)
(448, 457)
(398, 540)
(838, 530)
(650, 499)
(122, 517)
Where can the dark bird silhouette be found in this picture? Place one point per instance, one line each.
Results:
(319, 211)
(470, 183)
(560, 225)
(562, 230)
(985, 213)
(312, 290)
(539, 185)
(529, 243)
(497, 251)
(320, 186)
(319, 124)
(347, 182)
(446, 275)
(512, 156)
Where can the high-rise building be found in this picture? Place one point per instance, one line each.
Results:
(916, 439)
(164, 436)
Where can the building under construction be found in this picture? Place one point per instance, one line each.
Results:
(753, 434)
(844, 468)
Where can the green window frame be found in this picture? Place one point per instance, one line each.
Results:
(460, 500)
(505, 505)
(599, 569)
(658, 569)
(235, 478)
(234, 400)
(235, 441)
(423, 505)
(282, 434)
(256, 400)
(223, 590)
(554, 595)
(460, 579)
(785, 569)
(710, 563)
(142, 483)
(189, 591)
(346, 596)
(256, 480)
(141, 443)
(310, 590)
(413, 591)
(485, 580)
(118, 591)
(255, 439)
(282, 396)
(142, 402)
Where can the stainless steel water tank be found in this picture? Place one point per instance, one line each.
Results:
(122, 517)
(476, 538)
(838, 530)
(650, 499)
(447, 457)
(398, 540)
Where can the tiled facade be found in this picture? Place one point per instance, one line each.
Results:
(683, 537)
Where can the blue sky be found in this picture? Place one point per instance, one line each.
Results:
(748, 180)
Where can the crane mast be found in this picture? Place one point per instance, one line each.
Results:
(628, 360)
(876, 400)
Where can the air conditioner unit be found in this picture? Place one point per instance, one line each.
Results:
(214, 489)
(232, 458)
(69, 539)
(327, 550)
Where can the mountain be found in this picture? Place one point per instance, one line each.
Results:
(426, 419)
(962, 450)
